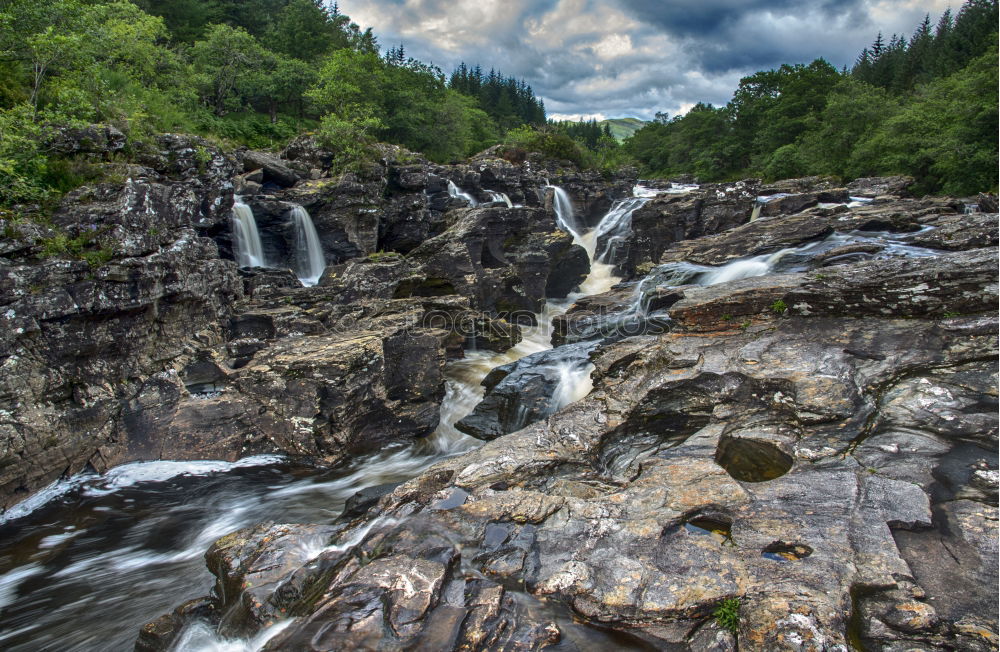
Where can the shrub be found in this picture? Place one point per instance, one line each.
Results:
(548, 143)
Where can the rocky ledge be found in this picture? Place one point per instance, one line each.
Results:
(805, 459)
(129, 333)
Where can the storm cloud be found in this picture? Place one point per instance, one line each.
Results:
(616, 58)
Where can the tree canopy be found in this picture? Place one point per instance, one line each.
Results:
(924, 105)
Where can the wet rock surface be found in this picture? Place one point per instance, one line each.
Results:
(815, 445)
(144, 341)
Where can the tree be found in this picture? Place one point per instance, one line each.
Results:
(854, 111)
(946, 137)
(223, 60)
(304, 30)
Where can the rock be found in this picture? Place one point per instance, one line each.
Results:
(672, 218)
(949, 283)
(727, 306)
(508, 260)
(522, 392)
(90, 139)
(78, 340)
(813, 457)
(796, 203)
(274, 170)
(872, 187)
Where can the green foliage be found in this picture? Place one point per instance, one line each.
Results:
(547, 142)
(508, 101)
(779, 307)
(84, 247)
(249, 72)
(349, 139)
(925, 107)
(23, 162)
(727, 614)
(946, 136)
(366, 98)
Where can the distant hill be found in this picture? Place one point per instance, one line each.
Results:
(622, 128)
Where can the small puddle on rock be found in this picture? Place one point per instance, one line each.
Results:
(719, 530)
(751, 460)
(786, 552)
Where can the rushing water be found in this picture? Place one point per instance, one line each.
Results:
(246, 239)
(85, 563)
(457, 193)
(500, 197)
(310, 262)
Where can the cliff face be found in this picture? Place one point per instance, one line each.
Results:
(130, 334)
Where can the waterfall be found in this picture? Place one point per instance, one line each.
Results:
(309, 258)
(566, 218)
(617, 224)
(246, 239)
(457, 193)
(756, 211)
(574, 378)
(500, 197)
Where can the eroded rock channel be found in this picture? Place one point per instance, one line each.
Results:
(519, 407)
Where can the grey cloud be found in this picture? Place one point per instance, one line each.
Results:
(683, 51)
(708, 17)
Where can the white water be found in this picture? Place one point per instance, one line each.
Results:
(201, 637)
(575, 380)
(685, 273)
(566, 216)
(86, 562)
(457, 193)
(246, 238)
(500, 197)
(310, 262)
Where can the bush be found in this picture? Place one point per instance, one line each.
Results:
(350, 140)
(548, 143)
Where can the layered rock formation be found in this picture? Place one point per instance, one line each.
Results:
(130, 334)
(809, 443)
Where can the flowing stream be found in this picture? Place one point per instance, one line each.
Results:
(86, 562)
(89, 560)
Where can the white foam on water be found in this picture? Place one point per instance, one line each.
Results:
(201, 637)
(457, 193)
(12, 579)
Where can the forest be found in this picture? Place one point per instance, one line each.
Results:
(254, 72)
(923, 105)
(259, 72)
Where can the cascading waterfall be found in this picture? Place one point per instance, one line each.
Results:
(249, 250)
(500, 197)
(309, 258)
(574, 378)
(457, 193)
(566, 216)
(107, 553)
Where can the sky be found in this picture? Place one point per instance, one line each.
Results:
(633, 58)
